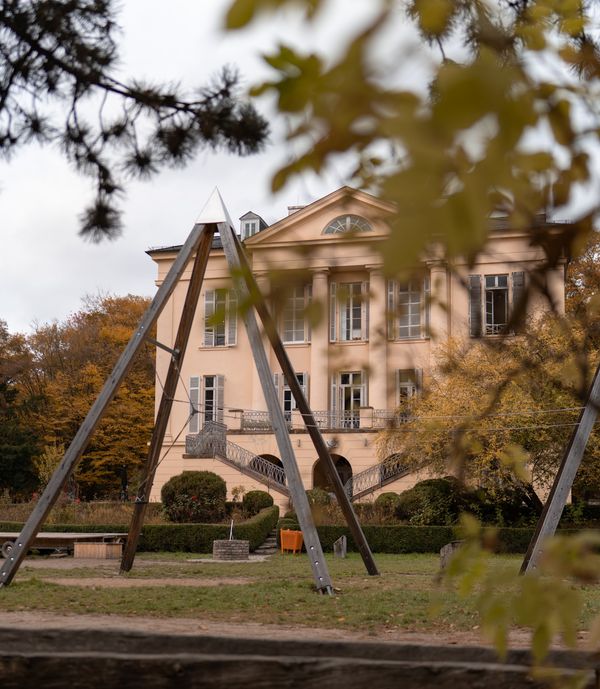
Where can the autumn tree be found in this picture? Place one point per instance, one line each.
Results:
(58, 85)
(71, 362)
(18, 442)
(512, 408)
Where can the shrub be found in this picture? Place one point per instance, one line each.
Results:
(317, 497)
(195, 496)
(387, 502)
(256, 500)
(436, 501)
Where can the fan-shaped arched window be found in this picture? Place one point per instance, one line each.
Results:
(347, 223)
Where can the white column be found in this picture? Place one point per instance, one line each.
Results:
(319, 345)
(258, 398)
(378, 373)
(439, 313)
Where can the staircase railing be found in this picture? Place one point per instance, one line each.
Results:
(375, 477)
(248, 460)
(212, 442)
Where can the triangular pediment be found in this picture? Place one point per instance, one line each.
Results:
(306, 225)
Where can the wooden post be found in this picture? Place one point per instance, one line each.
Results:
(297, 492)
(563, 482)
(9, 567)
(309, 420)
(168, 395)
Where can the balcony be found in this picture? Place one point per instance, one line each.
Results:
(365, 418)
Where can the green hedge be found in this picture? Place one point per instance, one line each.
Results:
(196, 538)
(416, 539)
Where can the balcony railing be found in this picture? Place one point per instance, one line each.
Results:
(256, 421)
(337, 420)
(383, 418)
(378, 419)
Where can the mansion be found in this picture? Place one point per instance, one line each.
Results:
(361, 342)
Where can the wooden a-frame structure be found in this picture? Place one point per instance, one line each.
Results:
(213, 218)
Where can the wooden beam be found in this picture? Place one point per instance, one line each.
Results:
(563, 482)
(309, 420)
(297, 492)
(9, 567)
(168, 394)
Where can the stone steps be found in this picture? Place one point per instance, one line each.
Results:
(269, 546)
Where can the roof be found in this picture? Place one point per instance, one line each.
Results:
(174, 248)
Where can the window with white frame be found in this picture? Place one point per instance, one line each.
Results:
(349, 311)
(285, 395)
(294, 323)
(409, 382)
(496, 304)
(408, 309)
(250, 228)
(220, 318)
(206, 400)
(348, 395)
(495, 301)
(347, 223)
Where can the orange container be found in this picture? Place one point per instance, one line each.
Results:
(290, 540)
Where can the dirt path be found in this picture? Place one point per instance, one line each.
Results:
(188, 626)
(116, 582)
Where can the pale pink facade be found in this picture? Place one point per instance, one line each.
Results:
(373, 346)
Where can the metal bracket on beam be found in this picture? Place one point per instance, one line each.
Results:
(173, 352)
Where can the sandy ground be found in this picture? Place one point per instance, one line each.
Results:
(192, 627)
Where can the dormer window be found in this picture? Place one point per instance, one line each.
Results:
(347, 223)
(250, 228)
(250, 224)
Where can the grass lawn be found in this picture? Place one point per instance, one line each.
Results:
(276, 591)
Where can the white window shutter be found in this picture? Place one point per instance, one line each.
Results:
(419, 380)
(209, 312)
(475, 306)
(333, 402)
(333, 312)
(231, 317)
(364, 392)
(305, 385)
(518, 300)
(219, 398)
(392, 315)
(364, 310)
(194, 424)
(278, 386)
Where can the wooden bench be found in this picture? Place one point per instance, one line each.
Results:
(60, 540)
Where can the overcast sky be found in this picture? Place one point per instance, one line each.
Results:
(47, 267)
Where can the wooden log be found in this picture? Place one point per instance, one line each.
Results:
(100, 659)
